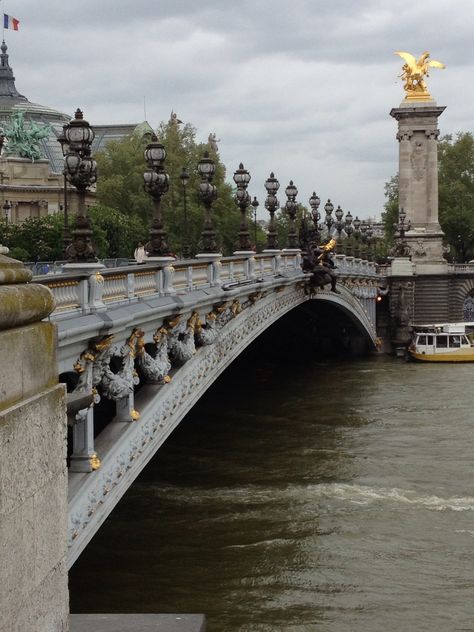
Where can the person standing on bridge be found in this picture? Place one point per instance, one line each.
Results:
(140, 254)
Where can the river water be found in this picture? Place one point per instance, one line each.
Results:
(329, 495)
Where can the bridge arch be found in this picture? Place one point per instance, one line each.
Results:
(126, 447)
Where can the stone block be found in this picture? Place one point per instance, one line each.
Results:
(46, 609)
(32, 446)
(16, 555)
(50, 520)
(29, 361)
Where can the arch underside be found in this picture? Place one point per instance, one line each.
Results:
(126, 447)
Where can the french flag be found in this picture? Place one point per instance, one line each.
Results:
(10, 23)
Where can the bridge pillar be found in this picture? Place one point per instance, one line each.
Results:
(33, 479)
(418, 177)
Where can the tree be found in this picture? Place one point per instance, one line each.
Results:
(456, 195)
(390, 214)
(120, 170)
(115, 234)
(36, 239)
(120, 187)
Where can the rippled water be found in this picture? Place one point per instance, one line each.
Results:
(331, 496)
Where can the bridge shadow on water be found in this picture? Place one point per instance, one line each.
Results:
(223, 481)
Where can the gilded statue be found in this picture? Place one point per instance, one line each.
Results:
(413, 73)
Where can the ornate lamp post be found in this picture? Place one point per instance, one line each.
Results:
(186, 249)
(66, 233)
(207, 194)
(357, 224)
(6, 210)
(272, 204)
(291, 207)
(329, 207)
(156, 184)
(401, 248)
(242, 199)
(314, 202)
(403, 225)
(339, 224)
(370, 241)
(349, 229)
(81, 171)
(255, 205)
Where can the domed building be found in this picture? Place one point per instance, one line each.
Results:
(32, 188)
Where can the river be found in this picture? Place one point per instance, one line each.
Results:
(328, 495)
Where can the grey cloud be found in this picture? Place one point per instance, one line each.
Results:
(304, 88)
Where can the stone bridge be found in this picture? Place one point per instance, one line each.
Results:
(139, 345)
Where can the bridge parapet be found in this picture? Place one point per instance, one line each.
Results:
(83, 293)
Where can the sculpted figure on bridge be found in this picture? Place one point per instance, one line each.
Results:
(413, 73)
(152, 358)
(182, 346)
(319, 261)
(206, 333)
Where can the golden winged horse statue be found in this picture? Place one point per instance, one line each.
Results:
(413, 73)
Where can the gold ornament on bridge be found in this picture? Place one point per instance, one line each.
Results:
(413, 73)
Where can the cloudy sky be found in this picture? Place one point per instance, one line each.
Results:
(300, 87)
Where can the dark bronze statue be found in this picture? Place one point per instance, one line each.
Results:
(319, 261)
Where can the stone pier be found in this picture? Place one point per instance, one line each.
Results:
(33, 479)
(418, 177)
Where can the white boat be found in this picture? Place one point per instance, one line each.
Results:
(443, 342)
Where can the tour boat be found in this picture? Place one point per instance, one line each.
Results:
(445, 342)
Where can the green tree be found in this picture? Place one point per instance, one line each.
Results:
(456, 195)
(120, 170)
(390, 213)
(36, 239)
(120, 187)
(116, 234)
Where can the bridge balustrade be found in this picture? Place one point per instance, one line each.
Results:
(79, 293)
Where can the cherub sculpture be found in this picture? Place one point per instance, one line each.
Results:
(413, 73)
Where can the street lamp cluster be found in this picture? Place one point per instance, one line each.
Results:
(80, 170)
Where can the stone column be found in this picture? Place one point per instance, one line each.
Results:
(33, 478)
(418, 177)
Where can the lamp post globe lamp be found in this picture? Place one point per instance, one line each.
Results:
(80, 170)
(186, 249)
(314, 202)
(291, 207)
(207, 194)
(348, 221)
(242, 199)
(339, 224)
(328, 208)
(6, 210)
(156, 184)
(272, 204)
(255, 204)
(357, 224)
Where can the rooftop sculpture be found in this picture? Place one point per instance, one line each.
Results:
(23, 141)
(413, 73)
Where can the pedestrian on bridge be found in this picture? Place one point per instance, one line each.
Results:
(140, 254)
